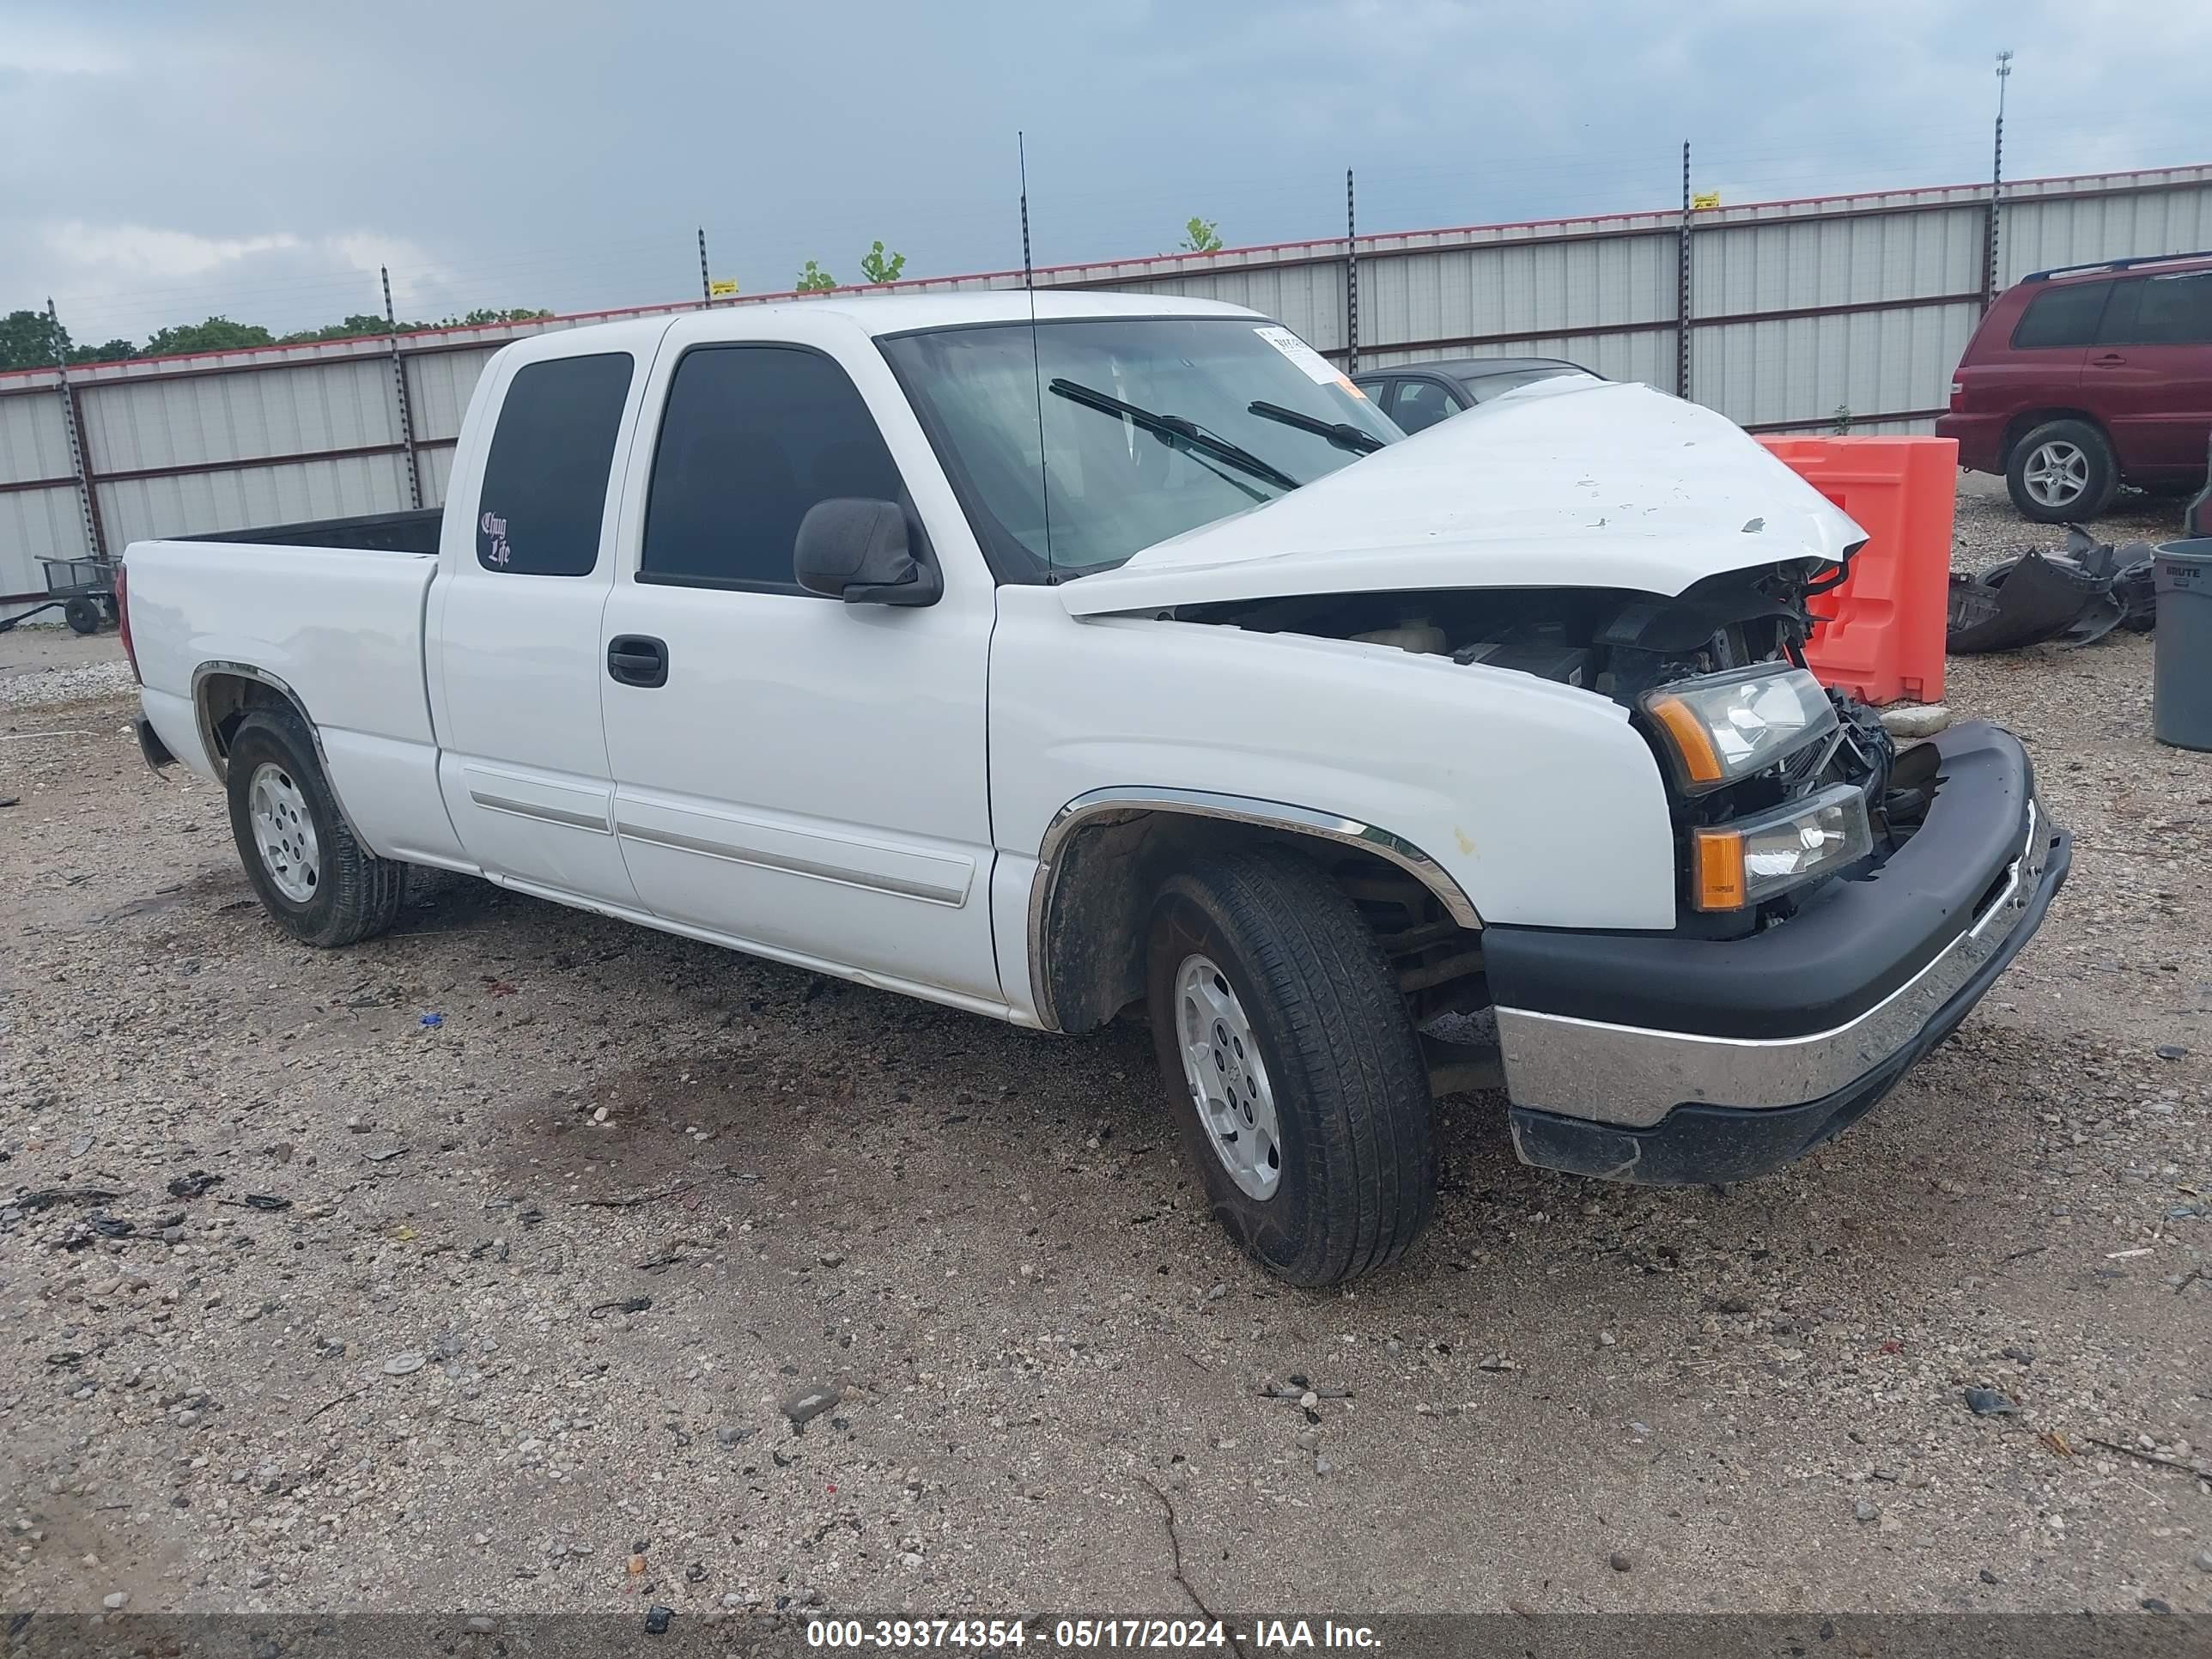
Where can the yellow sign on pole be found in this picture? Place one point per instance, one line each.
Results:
(721, 289)
(1704, 199)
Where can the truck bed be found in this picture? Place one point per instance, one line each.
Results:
(415, 531)
(341, 632)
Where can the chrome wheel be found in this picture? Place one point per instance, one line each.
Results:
(1228, 1081)
(2056, 474)
(283, 832)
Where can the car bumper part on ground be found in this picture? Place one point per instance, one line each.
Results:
(1666, 1060)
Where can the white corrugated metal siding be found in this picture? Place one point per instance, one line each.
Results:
(33, 438)
(437, 387)
(185, 504)
(2065, 221)
(35, 525)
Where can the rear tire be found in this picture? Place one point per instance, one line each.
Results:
(82, 614)
(2061, 472)
(322, 886)
(1300, 1089)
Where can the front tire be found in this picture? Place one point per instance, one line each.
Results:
(1301, 1093)
(322, 886)
(2062, 472)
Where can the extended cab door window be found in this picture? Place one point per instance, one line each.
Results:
(515, 627)
(545, 476)
(752, 437)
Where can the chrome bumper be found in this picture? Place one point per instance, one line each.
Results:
(1633, 1076)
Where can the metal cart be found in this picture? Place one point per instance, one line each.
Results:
(83, 589)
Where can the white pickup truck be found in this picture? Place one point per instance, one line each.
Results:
(1117, 653)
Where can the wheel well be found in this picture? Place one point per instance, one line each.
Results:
(2021, 425)
(226, 698)
(1104, 878)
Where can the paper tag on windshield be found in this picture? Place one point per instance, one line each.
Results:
(1317, 369)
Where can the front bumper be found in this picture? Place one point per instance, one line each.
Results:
(1666, 1060)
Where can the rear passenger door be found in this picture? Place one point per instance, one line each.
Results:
(2041, 366)
(2150, 372)
(513, 642)
(807, 778)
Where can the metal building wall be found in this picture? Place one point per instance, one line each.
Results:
(2063, 221)
(1798, 312)
(41, 516)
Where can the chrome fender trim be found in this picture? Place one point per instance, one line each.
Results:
(1204, 803)
(221, 763)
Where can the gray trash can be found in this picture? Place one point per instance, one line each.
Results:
(2181, 685)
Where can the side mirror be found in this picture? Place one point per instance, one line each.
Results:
(857, 551)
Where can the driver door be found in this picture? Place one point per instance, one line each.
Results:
(800, 776)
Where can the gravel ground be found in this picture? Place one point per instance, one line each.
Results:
(40, 665)
(531, 1233)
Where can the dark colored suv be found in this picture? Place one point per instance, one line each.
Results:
(2084, 379)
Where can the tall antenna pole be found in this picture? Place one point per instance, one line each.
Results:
(706, 283)
(1682, 286)
(1997, 182)
(1022, 156)
(1036, 361)
(399, 393)
(1351, 280)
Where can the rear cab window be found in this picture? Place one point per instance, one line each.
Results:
(2064, 315)
(545, 476)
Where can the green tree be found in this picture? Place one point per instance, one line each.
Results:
(361, 324)
(812, 279)
(217, 334)
(1202, 236)
(479, 318)
(114, 351)
(877, 269)
(27, 340)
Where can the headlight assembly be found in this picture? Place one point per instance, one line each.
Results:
(1739, 864)
(1725, 727)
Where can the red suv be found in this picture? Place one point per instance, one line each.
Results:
(2084, 379)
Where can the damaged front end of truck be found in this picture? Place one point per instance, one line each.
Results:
(1839, 904)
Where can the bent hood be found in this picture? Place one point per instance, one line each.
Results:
(1558, 484)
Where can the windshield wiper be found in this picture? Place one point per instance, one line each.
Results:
(1176, 429)
(1342, 434)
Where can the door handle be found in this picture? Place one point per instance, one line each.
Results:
(2108, 360)
(638, 659)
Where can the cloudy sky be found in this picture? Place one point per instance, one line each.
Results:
(160, 163)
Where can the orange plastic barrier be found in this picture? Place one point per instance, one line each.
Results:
(1880, 635)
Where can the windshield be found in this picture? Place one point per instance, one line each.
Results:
(1074, 444)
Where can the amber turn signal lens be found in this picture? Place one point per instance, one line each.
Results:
(1693, 739)
(1719, 875)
